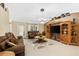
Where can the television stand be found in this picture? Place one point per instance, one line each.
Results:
(69, 32)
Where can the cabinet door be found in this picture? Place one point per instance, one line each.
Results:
(65, 38)
(66, 32)
(77, 35)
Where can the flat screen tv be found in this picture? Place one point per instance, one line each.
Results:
(55, 29)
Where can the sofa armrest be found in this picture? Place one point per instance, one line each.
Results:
(11, 44)
(17, 49)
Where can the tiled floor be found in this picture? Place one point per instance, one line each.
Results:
(53, 48)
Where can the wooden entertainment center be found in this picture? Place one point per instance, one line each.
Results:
(68, 31)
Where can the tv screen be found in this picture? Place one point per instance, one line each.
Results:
(55, 29)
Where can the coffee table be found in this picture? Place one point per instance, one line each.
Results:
(7, 53)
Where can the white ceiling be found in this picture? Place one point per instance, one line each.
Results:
(27, 12)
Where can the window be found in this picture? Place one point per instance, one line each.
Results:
(33, 27)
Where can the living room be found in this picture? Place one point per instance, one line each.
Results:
(39, 29)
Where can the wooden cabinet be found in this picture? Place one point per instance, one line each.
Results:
(75, 33)
(48, 34)
(66, 32)
(69, 32)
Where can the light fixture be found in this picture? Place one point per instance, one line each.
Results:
(42, 20)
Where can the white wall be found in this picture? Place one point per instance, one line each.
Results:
(4, 21)
(15, 27)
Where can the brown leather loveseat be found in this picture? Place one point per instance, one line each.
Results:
(11, 43)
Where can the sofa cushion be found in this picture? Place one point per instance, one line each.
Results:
(6, 44)
(2, 38)
(9, 44)
(11, 37)
(2, 45)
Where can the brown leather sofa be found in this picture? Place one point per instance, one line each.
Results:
(11, 43)
(32, 34)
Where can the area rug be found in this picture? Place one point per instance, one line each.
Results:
(42, 45)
